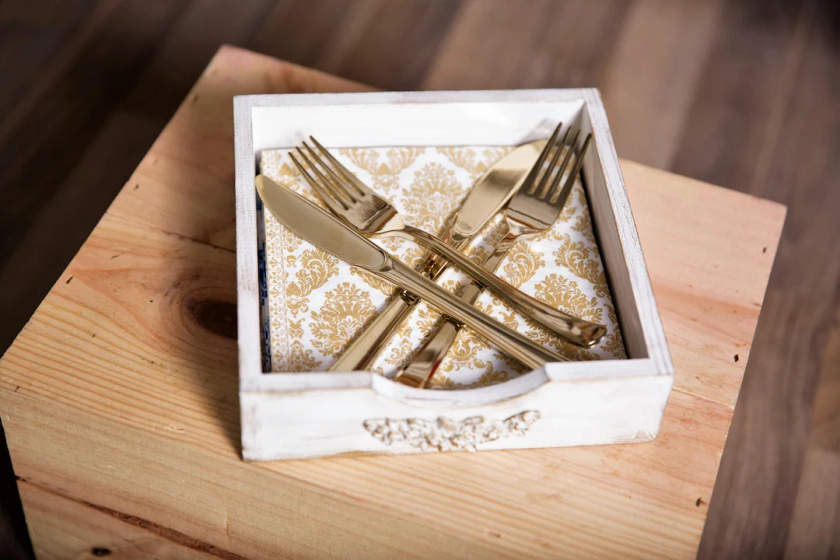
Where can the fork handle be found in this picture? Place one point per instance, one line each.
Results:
(428, 359)
(509, 341)
(577, 331)
(364, 349)
(362, 352)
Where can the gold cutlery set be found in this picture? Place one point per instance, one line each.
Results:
(528, 187)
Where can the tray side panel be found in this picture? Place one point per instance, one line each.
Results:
(621, 250)
(560, 414)
(247, 266)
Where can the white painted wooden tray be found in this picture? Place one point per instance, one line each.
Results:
(302, 415)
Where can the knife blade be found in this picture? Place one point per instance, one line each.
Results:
(489, 195)
(325, 231)
(494, 190)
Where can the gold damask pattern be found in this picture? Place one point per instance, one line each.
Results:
(345, 311)
(318, 304)
(316, 267)
(521, 264)
(476, 161)
(433, 197)
(384, 174)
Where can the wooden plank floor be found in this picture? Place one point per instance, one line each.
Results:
(745, 94)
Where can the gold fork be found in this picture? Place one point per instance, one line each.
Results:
(531, 211)
(373, 216)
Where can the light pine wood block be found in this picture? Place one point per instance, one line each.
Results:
(119, 398)
(62, 528)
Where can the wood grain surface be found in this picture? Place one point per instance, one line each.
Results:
(738, 93)
(120, 396)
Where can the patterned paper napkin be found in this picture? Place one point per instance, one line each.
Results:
(316, 304)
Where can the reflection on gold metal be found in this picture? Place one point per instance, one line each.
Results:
(373, 216)
(534, 208)
(483, 202)
(329, 234)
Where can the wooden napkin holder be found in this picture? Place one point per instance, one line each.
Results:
(304, 415)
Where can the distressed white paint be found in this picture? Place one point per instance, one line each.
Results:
(294, 416)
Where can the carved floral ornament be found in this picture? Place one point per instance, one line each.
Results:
(444, 434)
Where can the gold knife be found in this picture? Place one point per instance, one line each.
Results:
(485, 200)
(325, 231)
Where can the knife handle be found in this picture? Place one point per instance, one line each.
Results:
(427, 360)
(431, 354)
(363, 351)
(365, 348)
(509, 341)
(577, 331)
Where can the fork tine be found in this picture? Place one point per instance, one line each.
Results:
(570, 181)
(321, 181)
(562, 167)
(545, 186)
(335, 182)
(351, 179)
(335, 204)
(531, 180)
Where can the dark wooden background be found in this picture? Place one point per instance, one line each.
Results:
(744, 94)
